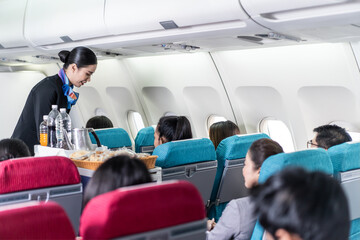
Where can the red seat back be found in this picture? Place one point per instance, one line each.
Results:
(142, 208)
(35, 220)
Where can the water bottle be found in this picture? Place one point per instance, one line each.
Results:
(66, 122)
(51, 126)
(44, 131)
(59, 126)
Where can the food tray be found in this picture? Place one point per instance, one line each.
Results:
(93, 165)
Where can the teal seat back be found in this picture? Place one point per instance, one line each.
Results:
(144, 138)
(183, 152)
(112, 137)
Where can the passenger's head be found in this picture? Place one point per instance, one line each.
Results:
(116, 172)
(79, 65)
(172, 128)
(327, 136)
(13, 148)
(296, 204)
(259, 151)
(221, 130)
(99, 122)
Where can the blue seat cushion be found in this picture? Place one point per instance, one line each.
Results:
(182, 152)
(145, 137)
(112, 137)
(345, 157)
(231, 148)
(310, 159)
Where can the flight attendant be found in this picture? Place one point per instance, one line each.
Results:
(79, 65)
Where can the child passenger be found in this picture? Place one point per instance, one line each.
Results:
(238, 221)
(118, 171)
(221, 130)
(172, 128)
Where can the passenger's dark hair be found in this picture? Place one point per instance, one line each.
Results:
(309, 204)
(263, 148)
(331, 135)
(99, 122)
(13, 148)
(116, 172)
(221, 130)
(174, 128)
(81, 56)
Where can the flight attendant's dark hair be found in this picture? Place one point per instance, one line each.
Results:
(172, 128)
(221, 130)
(81, 56)
(116, 172)
(13, 148)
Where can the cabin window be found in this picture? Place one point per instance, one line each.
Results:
(135, 123)
(353, 131)
(214, 119)
(277, 131)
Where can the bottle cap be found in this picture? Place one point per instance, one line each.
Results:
(54, 106)
(62, 109)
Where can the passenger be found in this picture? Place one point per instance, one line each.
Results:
(327, 136)
(299, 205)
(172, 128)
(118, 171)
(79, 65)
(13, 148)
(221, 130)
(99, 122)
(237, 221)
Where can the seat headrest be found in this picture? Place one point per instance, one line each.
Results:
(236, 147)
(35, 220)
(36, 172)
(145, 137)
(112, 137)
(345, 156)
(310, 159)
(182, 152)
(141, 208)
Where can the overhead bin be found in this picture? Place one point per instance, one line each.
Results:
(137, 16)
(62, 21)
(11, 25)
(285, 15)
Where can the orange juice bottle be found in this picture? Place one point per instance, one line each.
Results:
(44, 132)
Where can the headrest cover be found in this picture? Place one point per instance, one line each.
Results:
(310, 159)
(36, 172)
(35, 221)
(145, 137)
(112, 137)
(345, 156)
(139, 209)
(236, 147)
(182, 152)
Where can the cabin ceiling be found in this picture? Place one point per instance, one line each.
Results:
(123, 29)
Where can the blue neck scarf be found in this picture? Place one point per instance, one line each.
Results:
(72, 96)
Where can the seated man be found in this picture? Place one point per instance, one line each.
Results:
(327, 136)
(298, 205)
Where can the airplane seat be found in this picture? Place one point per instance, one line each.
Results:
(112, 138)
(42, 178)
(229, 181)
(193, 160)
(167, 210)
(316, 159)
(35, 220)
(144, 141)
(346, 161)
